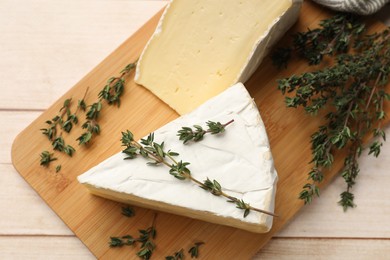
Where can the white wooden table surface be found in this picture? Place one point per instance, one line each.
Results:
(46, 46)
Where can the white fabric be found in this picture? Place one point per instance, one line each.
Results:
(363, 7)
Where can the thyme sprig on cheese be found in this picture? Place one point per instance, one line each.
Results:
(157, 154)
(187, 134)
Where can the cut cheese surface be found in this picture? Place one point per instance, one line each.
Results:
(239, 159)
(202, 47)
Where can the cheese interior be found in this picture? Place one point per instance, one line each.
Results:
(201, 47)
(240, 160)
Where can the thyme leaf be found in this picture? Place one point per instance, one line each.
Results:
(46, 158)
(128, 211)
(194, 250)
(179, 255)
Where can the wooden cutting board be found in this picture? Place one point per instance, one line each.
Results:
(94, 219)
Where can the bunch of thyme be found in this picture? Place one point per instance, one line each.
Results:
(352, 89)
(157, 154)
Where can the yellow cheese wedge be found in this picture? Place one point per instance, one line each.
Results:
(201, 47)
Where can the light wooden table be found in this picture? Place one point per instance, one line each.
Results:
(47, 46)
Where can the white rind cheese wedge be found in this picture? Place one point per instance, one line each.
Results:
(239, 159)
(202, 47)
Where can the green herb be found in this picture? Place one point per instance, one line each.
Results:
(353, 89)
(66, 120)
(82, 105)
(335, 36)
(57, 141)
(146, 239)
(46, 158)
(176, 256)
(59, 145)
(121, 241)
(156, 154)
(67, 125)
(194, 250)
(128, 211)
(64, 124)
(72, 118)
(111, 93)
(51, 131)
(187, 134)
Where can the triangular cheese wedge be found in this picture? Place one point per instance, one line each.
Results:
(239, 159)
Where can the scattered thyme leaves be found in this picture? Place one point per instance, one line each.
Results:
(58, 168)
(116, 242)
(46, 158)
(187, 134)
(145, 239)
(121, 241)
(128, 211)
(156, 154)
(354, 89)
(179, 255)
(194, 250)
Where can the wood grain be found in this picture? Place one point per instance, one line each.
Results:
(327, 249)
(65, 248)
(79, 210)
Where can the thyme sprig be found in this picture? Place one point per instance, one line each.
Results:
(187, 134)
(55, 136)
(353, 88)
(157, 154)
(334, 36)
(179, 255)
(111, 93)
(46, 158)
(146, 239)
(194, 250)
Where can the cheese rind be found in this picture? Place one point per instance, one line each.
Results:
(239, 159)
(202, 47)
